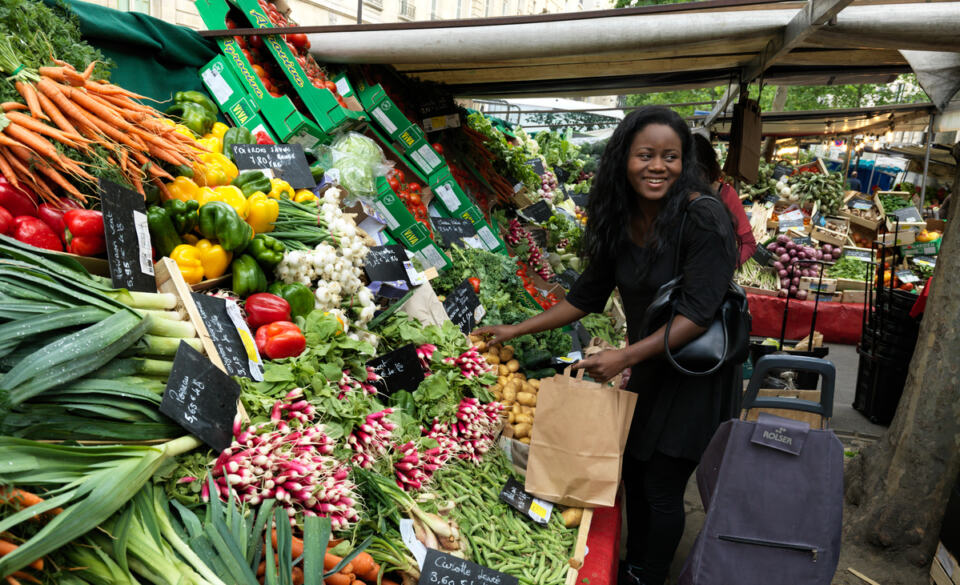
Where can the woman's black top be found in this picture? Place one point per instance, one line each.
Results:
(675, 414)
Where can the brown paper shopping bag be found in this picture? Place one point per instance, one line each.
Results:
(577, 443)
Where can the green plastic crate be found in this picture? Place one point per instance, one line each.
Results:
(447, 192)
(231, 96)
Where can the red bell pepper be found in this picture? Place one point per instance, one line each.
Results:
(18, 201)
(84, 232)
(53, 217)
(6, 222)
(265, 308)
(281, 339)
(262, 137)
(31, 230)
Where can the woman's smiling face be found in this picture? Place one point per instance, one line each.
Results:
(655, 161)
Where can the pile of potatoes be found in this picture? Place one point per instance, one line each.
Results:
(512, 389)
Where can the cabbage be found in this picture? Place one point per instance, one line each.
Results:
(359, 161)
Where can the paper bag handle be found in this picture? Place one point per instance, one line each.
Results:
(579, 376)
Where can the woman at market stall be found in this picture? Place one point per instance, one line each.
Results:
(647, 180)
(707, 157)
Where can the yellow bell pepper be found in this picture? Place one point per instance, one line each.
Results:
(168, 122)
(304, 196)
(218, 130)
(280, 188)
(184, 130)
(183, 188)
(214, 169)
(263, 211)
(211, 143)
(187, 258)
(214, 258)
(229, 194)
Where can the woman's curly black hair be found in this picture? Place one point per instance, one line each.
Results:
(613, 202)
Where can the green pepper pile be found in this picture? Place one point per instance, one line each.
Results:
(195, 110)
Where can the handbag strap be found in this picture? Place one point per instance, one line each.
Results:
(673, 308)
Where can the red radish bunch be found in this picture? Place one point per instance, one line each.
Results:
(515, 235)
(289, 459)
(372, 438)
(447, 445)
(425, 353)
(349, 384)
(470, 362)
(476, 428)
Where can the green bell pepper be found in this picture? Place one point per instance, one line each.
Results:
(193, 116)
(183, 214)
(248, 277)
(220, 221)
(250, 182)
(267, 250)
(298, 295)
(163, 234)
(237, 135)
(198, 98)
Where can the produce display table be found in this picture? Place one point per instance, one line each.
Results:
(603, 544)
(838, 322)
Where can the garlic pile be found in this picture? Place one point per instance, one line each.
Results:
(335, 271)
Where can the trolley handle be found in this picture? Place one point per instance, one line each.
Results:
(827, 371)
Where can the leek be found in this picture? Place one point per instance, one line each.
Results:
(168, 346)
(89, 483)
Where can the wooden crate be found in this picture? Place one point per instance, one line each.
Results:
(945, 570)
(814, 283)
(845, 284)
(580, 548)
(854, 296)
(814, 420)
(866, 222)
(834, 234)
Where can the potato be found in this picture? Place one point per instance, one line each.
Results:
(533, 411)
(504, 370)
(525, 409)
(509, 393)
(513, 365)
(511, 418)
(535, 383)
(492, 350)
(492, 359)
(508, 403)
(481, 345)
(506, 353)
(522, 430)
(528, 387)
(517, 409)
(502, 380)
(526, 398)
(523, 419)
(571, 517)
(497, 394)
(520, 376)
(525, 440)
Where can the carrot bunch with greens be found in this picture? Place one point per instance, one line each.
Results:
(67, 111)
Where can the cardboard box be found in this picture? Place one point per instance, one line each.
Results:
(425, 157)
(814, 283)
(945, 569)
(489, 237)
(448, 192)
(922, 248)
(901, 238)
(430, 255)
(854, 296)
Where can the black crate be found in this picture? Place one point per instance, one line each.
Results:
(880, 384)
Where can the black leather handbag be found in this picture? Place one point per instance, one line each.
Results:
(727, 338)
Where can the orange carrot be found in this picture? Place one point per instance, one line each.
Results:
(330, 561)
(7, 171)
(296, 549)
(102, 87)
(58, 118)
(8, 106)
(29, 94)
(12, 581)
(8, 547)
(52, 90)
(26, 577)
(339, 579)
(89, 70)
(362, 564)
(74, 140)
(39, 164)
(150, 167)
(41, 146)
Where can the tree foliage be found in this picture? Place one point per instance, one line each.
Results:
(578, 121)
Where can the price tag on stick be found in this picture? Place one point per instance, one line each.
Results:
(129, 251)
(230, 334)
(439, 568)
(536, 509)
(286, 161)
(400, 369)
(201, 398)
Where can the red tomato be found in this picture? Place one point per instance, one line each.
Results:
(255, 41)
(240, 41)
(230, 23)
(414, 187)
(438, 147)
(299, 41)
(405, 195)
(398, 174)
(475, 283)
(415, 198)
(394, 183)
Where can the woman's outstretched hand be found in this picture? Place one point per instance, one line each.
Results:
(494, 334)
(604, 365)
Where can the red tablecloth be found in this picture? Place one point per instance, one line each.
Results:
(603, 546)
(839, 322)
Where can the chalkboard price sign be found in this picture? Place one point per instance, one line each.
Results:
(400, 369)
(514, 495)
(859, 254)
(858, 203)
(454, 229)
(201, 398)
(763, 256)
(231, 336)
(781, 171)
(287, 162)
(539, 212)
(463, 307)
(537, 165)
(804, 241)
(580, 199)
(127, 236)
(908, 215)
(439, 568)
(771, 198)
(907, 276)
(385, 263)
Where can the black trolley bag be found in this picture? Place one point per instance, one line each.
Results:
(772, 490)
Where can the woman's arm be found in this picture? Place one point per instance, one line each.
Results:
(748, 244)
(563, 313)
(607, 364)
